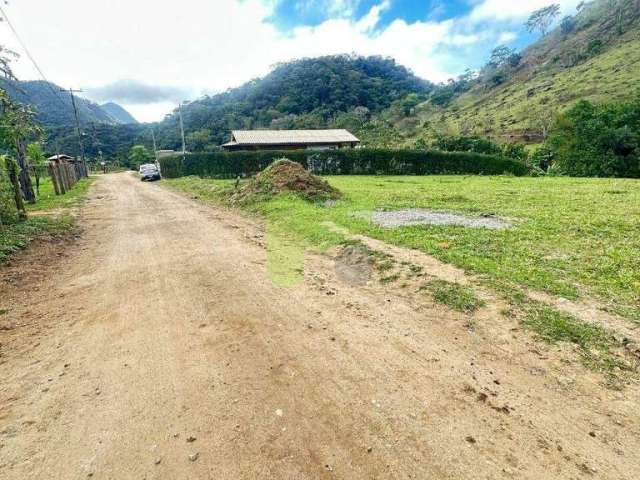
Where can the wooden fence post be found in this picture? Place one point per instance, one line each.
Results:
(72, 174)
(60, 173)
(65, 178)
(54, 178)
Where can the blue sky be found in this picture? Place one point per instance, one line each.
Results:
(288, 15)
(158, 54)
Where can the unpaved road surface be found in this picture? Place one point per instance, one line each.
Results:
(157, 347)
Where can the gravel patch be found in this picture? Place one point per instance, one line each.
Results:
(419, 216)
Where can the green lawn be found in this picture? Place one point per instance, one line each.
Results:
(48, 200)
(577, 238)
(16, 236)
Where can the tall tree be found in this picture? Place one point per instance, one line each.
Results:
(18, 128)
(503, 55)
(542, 19)
(139, 155)
(6, 57)
(38, 160)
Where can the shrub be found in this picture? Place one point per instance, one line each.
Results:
(542, 158)
(467, 144)
(498, 77)
(342, 162)
(598, 140)
(8, 213)
(594, 47)
(515, 151)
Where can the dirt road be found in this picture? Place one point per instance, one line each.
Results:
(162, 350)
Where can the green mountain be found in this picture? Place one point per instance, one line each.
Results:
(53, 106)
(594, 56)
(119, 113)
(307, 93)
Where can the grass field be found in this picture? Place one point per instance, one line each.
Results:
(48, 200)
(522, 102)
(16, 236)
(575, 238)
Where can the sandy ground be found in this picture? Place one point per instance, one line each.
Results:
(155, 346)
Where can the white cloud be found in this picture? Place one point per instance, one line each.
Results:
(212, 45)
(344, 8)
(514, 9)
(371, 19)
(507, 37)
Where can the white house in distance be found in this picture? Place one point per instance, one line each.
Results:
(290, 140)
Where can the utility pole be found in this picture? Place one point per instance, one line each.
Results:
(155, 148)
(78, 132)
(184, 151)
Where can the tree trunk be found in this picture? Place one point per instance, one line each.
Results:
(25, 178)
(12, 170)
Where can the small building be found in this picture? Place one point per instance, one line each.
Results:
(290, 140)
(165, 153)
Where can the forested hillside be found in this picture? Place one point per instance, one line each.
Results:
(118, 113)
(53, 106)
(594, 55)
(307, 93)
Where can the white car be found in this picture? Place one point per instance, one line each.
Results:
(149, 171)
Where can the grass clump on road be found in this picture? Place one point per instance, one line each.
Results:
(600, 349)
(458, 297)
(555, 326)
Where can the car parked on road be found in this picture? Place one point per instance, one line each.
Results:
(149, 171)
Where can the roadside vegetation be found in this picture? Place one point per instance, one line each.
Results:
(17, 236)
(26, 193)
(50, 215)
(48, 200)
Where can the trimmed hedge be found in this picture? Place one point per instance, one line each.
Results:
(342, 162)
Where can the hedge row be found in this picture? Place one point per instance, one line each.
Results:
(342, 162)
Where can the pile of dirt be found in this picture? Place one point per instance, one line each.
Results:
(285, 176)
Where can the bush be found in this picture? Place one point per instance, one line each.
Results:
(598, 140)
(467, 144)
(342, 162)
(515, 151)
(8, 213)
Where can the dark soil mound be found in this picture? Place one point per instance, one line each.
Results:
(285, 176)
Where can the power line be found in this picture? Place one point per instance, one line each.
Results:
(28, 53)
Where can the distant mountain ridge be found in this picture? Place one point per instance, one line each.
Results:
(118, 112)
(54, 108)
